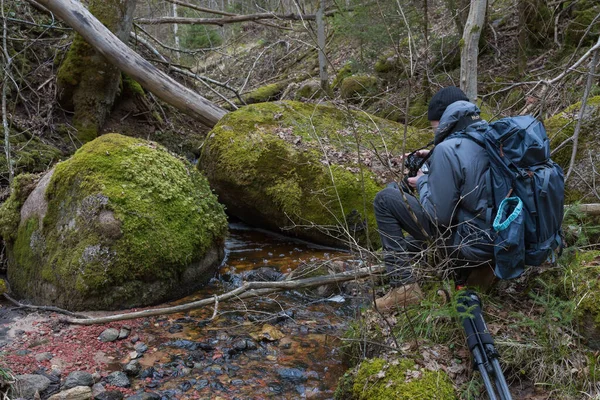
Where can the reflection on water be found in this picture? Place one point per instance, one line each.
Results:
(284, 346)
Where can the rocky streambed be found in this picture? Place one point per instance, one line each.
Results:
(283, 346)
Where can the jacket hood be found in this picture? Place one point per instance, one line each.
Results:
(453, 114)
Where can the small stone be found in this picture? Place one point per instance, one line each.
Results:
(124, 333)
(76, 393)
(147, 373)
(134, 339)
(202, 383)
(43, 356)
(97, 389)
(132, 368)
(144, 396)
(109, 335)
(109, 395)
(22, 352)
(293, 375)
(134, 354)
(176, 328)
(141, 347)
(78, 378)
(118, 379)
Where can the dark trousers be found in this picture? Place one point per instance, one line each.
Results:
(394, 220)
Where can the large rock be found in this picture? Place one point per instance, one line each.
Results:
(561, 127)
(122, 223)
(26, 386)
(297, 167)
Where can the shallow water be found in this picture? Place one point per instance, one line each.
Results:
(285, 346)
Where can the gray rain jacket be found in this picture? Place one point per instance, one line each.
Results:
(454, 193)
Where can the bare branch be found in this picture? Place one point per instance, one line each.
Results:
(43, 308)
(198, 8)
(588, 87)
(249, 289)
(232, 19)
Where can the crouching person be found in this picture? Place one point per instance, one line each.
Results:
(451, 205)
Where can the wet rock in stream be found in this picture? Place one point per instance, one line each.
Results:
(78, 378)
(118, 379)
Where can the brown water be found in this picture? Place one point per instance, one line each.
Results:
(293, 349)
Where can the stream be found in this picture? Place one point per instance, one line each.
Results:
(284, 346)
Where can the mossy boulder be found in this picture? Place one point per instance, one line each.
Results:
(358, 87)
(309, 90)
(376, 379)
(122, 223)
(582, 283)
(311, 170)
(561, 127)
(265, 93)
(347, 70)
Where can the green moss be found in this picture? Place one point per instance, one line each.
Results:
(347, 70)
(3, 287)
(584, 12)
(310, 90)
(378, 380)
(265, 93)
(277, 184)
(583, 276)
(358, 86)
(88, 83)
(10, 215)
(164, 219)
(561, 126)
(385, 64)
(29, 155)
(132, 86)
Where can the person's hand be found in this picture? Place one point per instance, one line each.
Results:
(412, 182)
(422, 153)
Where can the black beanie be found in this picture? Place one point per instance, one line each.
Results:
(442, 99)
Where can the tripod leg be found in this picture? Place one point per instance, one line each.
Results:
(484, 374)
(500, 381)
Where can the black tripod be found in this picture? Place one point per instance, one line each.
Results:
(481, 344)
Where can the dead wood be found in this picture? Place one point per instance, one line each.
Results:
(247, 290)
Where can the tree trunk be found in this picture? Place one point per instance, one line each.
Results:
(470, 48)
(120, 55)
(87, 82)
(321, 42)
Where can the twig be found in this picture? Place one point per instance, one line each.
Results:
(588, 87)
(249, 289)
(44, 308)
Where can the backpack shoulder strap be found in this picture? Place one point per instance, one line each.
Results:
(476, 136)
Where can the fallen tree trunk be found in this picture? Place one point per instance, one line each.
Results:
(589, 209)
(119, 54)
(247, 290)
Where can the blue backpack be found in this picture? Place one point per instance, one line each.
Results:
(525, 192)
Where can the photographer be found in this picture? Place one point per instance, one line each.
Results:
(451, 206)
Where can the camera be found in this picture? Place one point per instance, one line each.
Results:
(413, 163)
